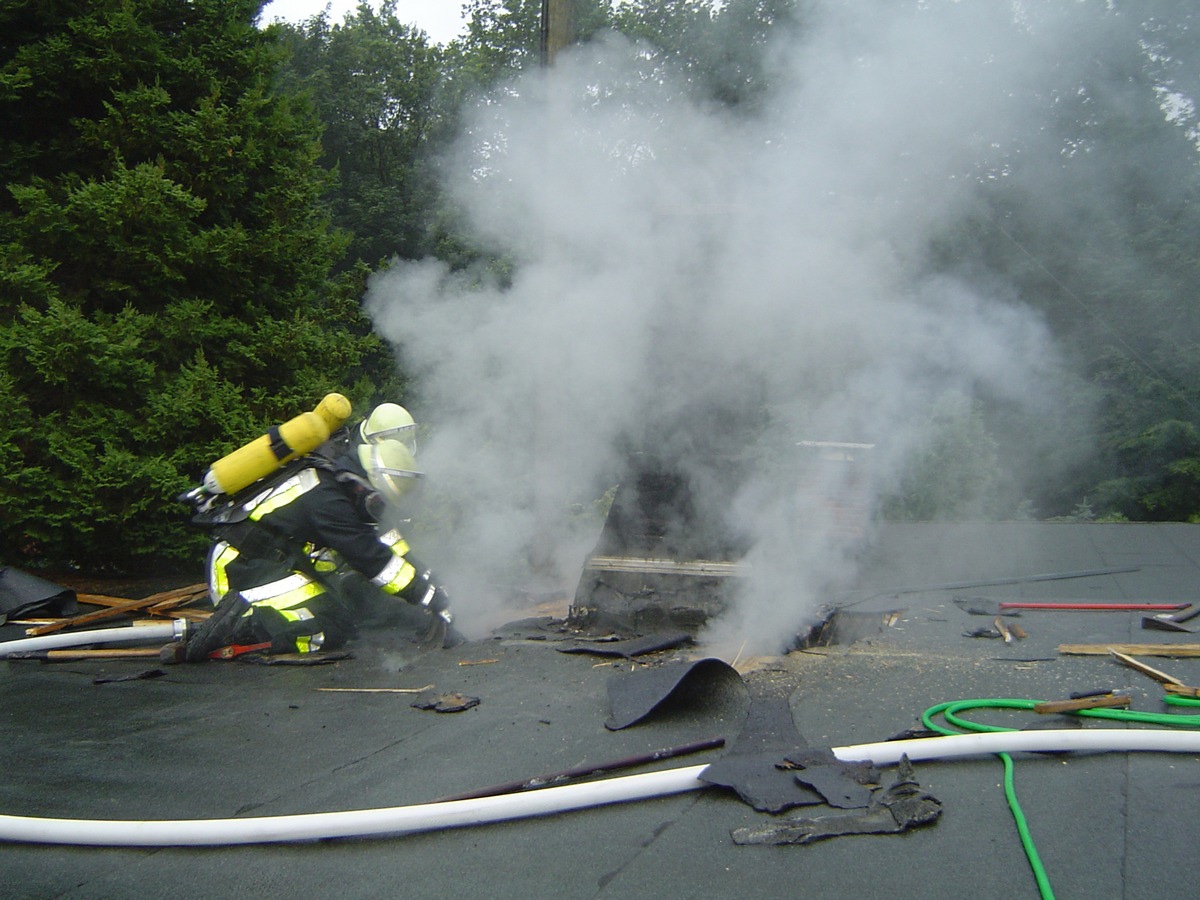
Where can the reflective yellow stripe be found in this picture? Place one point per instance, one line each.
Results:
(394, 541)
(310, 643)
(218, 578)
(395, 576)
(283, 593)
(398, 573)
(323, 560)
(296, 486)
(305, 643)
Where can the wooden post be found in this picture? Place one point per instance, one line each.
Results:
(558, 28)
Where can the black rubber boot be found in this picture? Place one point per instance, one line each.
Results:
(217, 630)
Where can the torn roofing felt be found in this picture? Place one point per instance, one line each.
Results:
(21, 593)
(536, 628)
(752, 767)
(834, 787)
(632, 696)
(297, 659)
(846, 785)
(894, 809)
(451, 702)
(633, 647)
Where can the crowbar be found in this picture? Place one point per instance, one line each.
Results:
(232, 650)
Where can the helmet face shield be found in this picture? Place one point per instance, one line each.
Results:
(405, 434)
(390, 468)
(389, 422)
(396, 483)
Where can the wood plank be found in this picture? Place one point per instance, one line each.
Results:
(1182, 690)
(117, 608)
(102, 600)
(191, 590)
(87, 618)
(1182, 651)
(182, 594)
(165, 606)
(706, 568)
(1156, 674)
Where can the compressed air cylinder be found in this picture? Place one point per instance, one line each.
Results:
(262, 456)
(335, 410)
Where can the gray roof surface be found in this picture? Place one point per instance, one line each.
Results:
(226, 740)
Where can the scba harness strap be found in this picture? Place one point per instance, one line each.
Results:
(223, 510)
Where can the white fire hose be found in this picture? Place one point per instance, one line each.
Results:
(136, 634)
(545, 801)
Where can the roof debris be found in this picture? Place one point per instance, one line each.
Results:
(894, 809)
(451, 702)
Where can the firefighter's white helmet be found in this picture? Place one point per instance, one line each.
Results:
(389, 422)
(390, 467)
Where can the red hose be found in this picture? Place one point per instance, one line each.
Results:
(1091, 606)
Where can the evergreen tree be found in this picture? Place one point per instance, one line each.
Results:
(164, 262)
(1093, 218)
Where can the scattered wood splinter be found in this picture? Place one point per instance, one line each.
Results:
(1161, 677)
(1182, 690)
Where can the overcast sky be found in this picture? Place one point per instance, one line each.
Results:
(440, 19)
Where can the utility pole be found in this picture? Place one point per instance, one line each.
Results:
(558, 28)
(557, 33)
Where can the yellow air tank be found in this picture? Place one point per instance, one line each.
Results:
(335, 410)
(280, 445)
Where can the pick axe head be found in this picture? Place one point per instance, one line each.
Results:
(1172, 621)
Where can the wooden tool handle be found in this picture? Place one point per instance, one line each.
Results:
(1102, 702)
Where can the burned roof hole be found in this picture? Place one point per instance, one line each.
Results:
(845, 627)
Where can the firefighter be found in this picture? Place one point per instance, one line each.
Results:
(286, 570)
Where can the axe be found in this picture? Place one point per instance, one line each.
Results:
(1172, 621)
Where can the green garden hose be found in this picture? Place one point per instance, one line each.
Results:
(950, 712)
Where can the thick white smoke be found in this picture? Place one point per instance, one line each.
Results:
(671, 261)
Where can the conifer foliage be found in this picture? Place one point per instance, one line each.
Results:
(164, 263)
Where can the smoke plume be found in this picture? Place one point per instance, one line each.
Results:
(695, 283)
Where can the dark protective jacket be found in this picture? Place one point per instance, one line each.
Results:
(300, 545)
(333, 516)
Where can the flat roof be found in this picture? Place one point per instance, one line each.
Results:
(238, 740)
